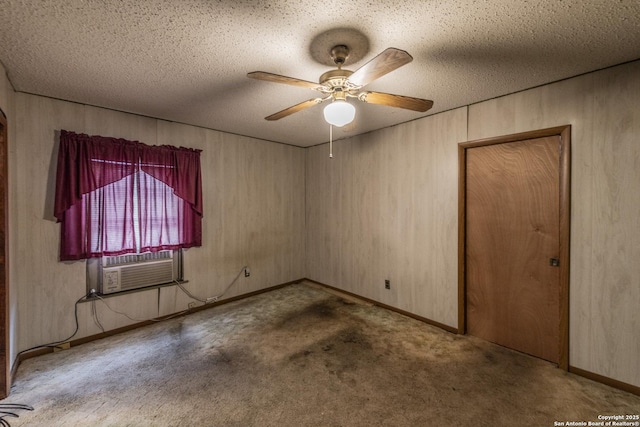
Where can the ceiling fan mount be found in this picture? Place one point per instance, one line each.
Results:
(339, 54)
(335, 79)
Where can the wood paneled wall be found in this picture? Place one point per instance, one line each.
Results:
(253, 195)
(385, 207)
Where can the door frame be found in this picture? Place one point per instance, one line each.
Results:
(5, 349)
(564, 132)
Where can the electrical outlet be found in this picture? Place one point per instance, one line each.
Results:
(387, 284)
(247, 272)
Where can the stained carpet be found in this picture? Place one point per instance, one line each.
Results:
(300, 356)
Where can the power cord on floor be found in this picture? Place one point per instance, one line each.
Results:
(57, 343)
(97, 320)
(6, 407)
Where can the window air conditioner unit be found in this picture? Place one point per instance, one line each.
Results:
(127, 272)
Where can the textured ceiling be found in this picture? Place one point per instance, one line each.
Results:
(187, 60)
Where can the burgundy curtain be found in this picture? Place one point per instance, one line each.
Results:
(97, 180)
(178, 169)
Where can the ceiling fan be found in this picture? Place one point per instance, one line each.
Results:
(339, 84)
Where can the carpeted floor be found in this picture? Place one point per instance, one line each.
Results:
(300, 356)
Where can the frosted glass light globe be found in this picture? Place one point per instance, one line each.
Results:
(339, 113)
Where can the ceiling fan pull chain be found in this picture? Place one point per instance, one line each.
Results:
(331, 141)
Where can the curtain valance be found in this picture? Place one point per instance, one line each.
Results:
(89, 163)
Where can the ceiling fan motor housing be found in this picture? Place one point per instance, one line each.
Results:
(334, 78)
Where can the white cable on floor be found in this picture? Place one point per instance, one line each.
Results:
(216, 297)
(94, 314)
(183, 289)
(189, 294)
(118, 312)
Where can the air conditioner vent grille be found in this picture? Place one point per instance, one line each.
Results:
(146, 274)
(112, 261)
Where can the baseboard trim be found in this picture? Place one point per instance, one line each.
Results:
(388, 307)
(46, 350)
(605, 380)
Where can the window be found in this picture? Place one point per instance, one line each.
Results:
(115, 197)
(156, 213)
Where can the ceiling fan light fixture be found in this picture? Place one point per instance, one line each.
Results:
(339, 113)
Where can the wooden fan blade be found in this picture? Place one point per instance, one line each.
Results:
(288, 111)
(399, 101)
(276, 78)
(387, 61)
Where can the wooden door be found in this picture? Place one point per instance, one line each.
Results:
(515, 293)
